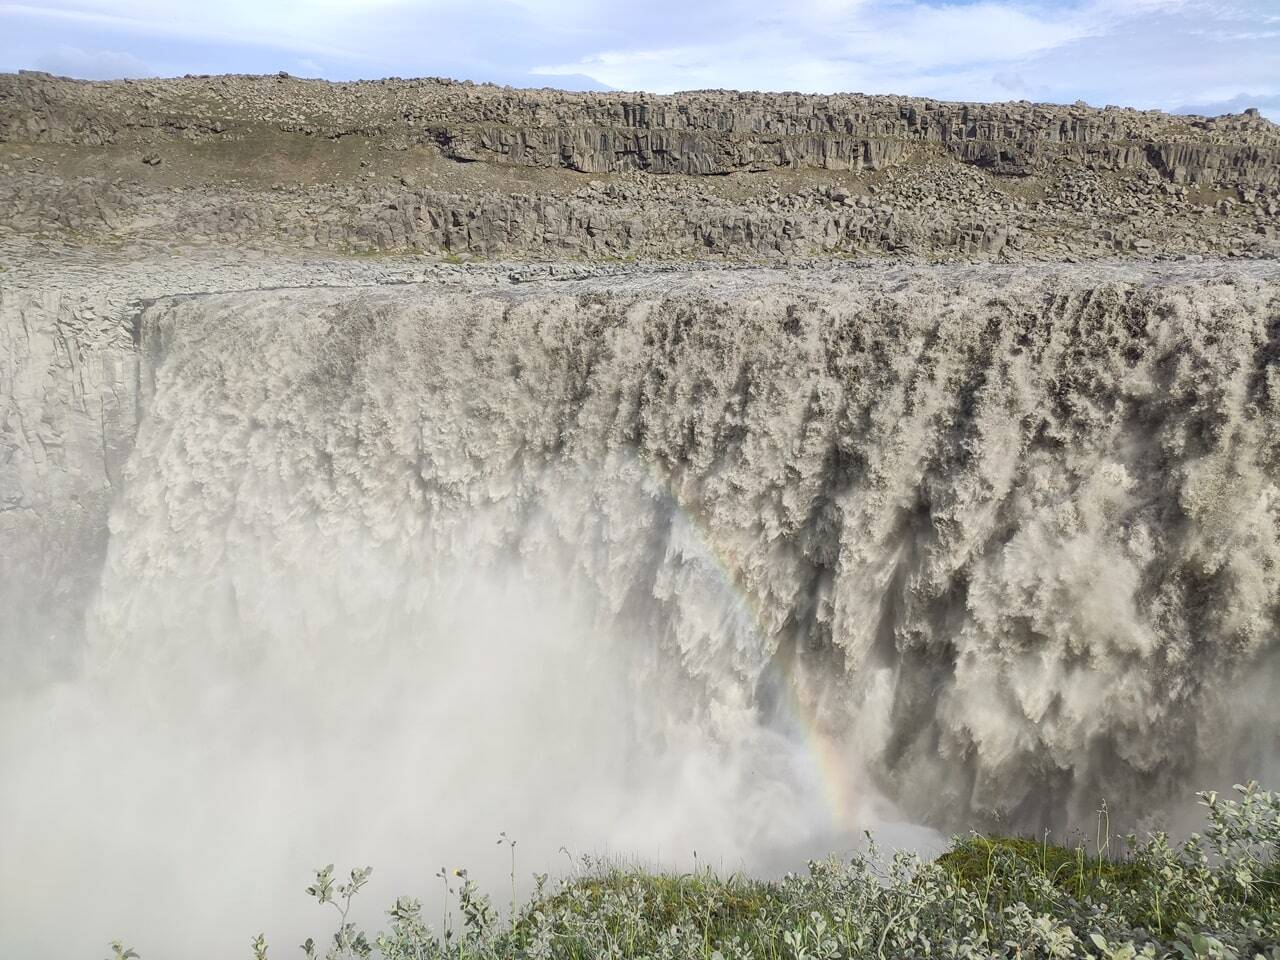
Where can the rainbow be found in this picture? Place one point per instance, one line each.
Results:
(828, 756)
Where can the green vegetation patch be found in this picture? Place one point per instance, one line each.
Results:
(1214, 896)
(975, 860)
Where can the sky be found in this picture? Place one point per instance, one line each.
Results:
(1203, 56)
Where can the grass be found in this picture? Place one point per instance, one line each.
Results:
(633, 909)
(1071, 870)
(1215, 896)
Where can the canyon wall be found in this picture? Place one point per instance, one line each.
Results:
(699, 132)
(442, 168)
(68, 414)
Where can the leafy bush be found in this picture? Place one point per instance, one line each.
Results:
(1214, 896)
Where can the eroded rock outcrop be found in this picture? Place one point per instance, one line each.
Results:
(704, 132)
(447, 168)
(67, 419)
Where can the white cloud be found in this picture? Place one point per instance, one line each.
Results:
(238, 22)
(926, 36)
(1139, 52)
(868, 44)
(742, 64)
(307, 67)
(1113, 51)
(68, 61)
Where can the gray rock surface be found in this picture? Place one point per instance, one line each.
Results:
(446, 168)
(702, 132)
(67, 419)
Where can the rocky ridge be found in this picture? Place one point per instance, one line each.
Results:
(445, 168)
(699, 132)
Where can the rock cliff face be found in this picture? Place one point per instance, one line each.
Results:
(438, 167)
(727, 133)
(705, 132)
(593, 226)
(68, 413)
(1006, 540)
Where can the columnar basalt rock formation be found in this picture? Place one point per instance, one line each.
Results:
(434, 166)
(705, 132)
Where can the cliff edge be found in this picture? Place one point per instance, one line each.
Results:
(465, 170)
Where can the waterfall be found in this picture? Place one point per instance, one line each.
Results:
(728, 563)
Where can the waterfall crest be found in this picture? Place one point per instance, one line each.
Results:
(1009, 548)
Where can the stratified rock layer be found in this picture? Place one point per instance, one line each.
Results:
(704, 132)
(439, 167)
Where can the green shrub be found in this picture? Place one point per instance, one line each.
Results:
(1215, 896)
